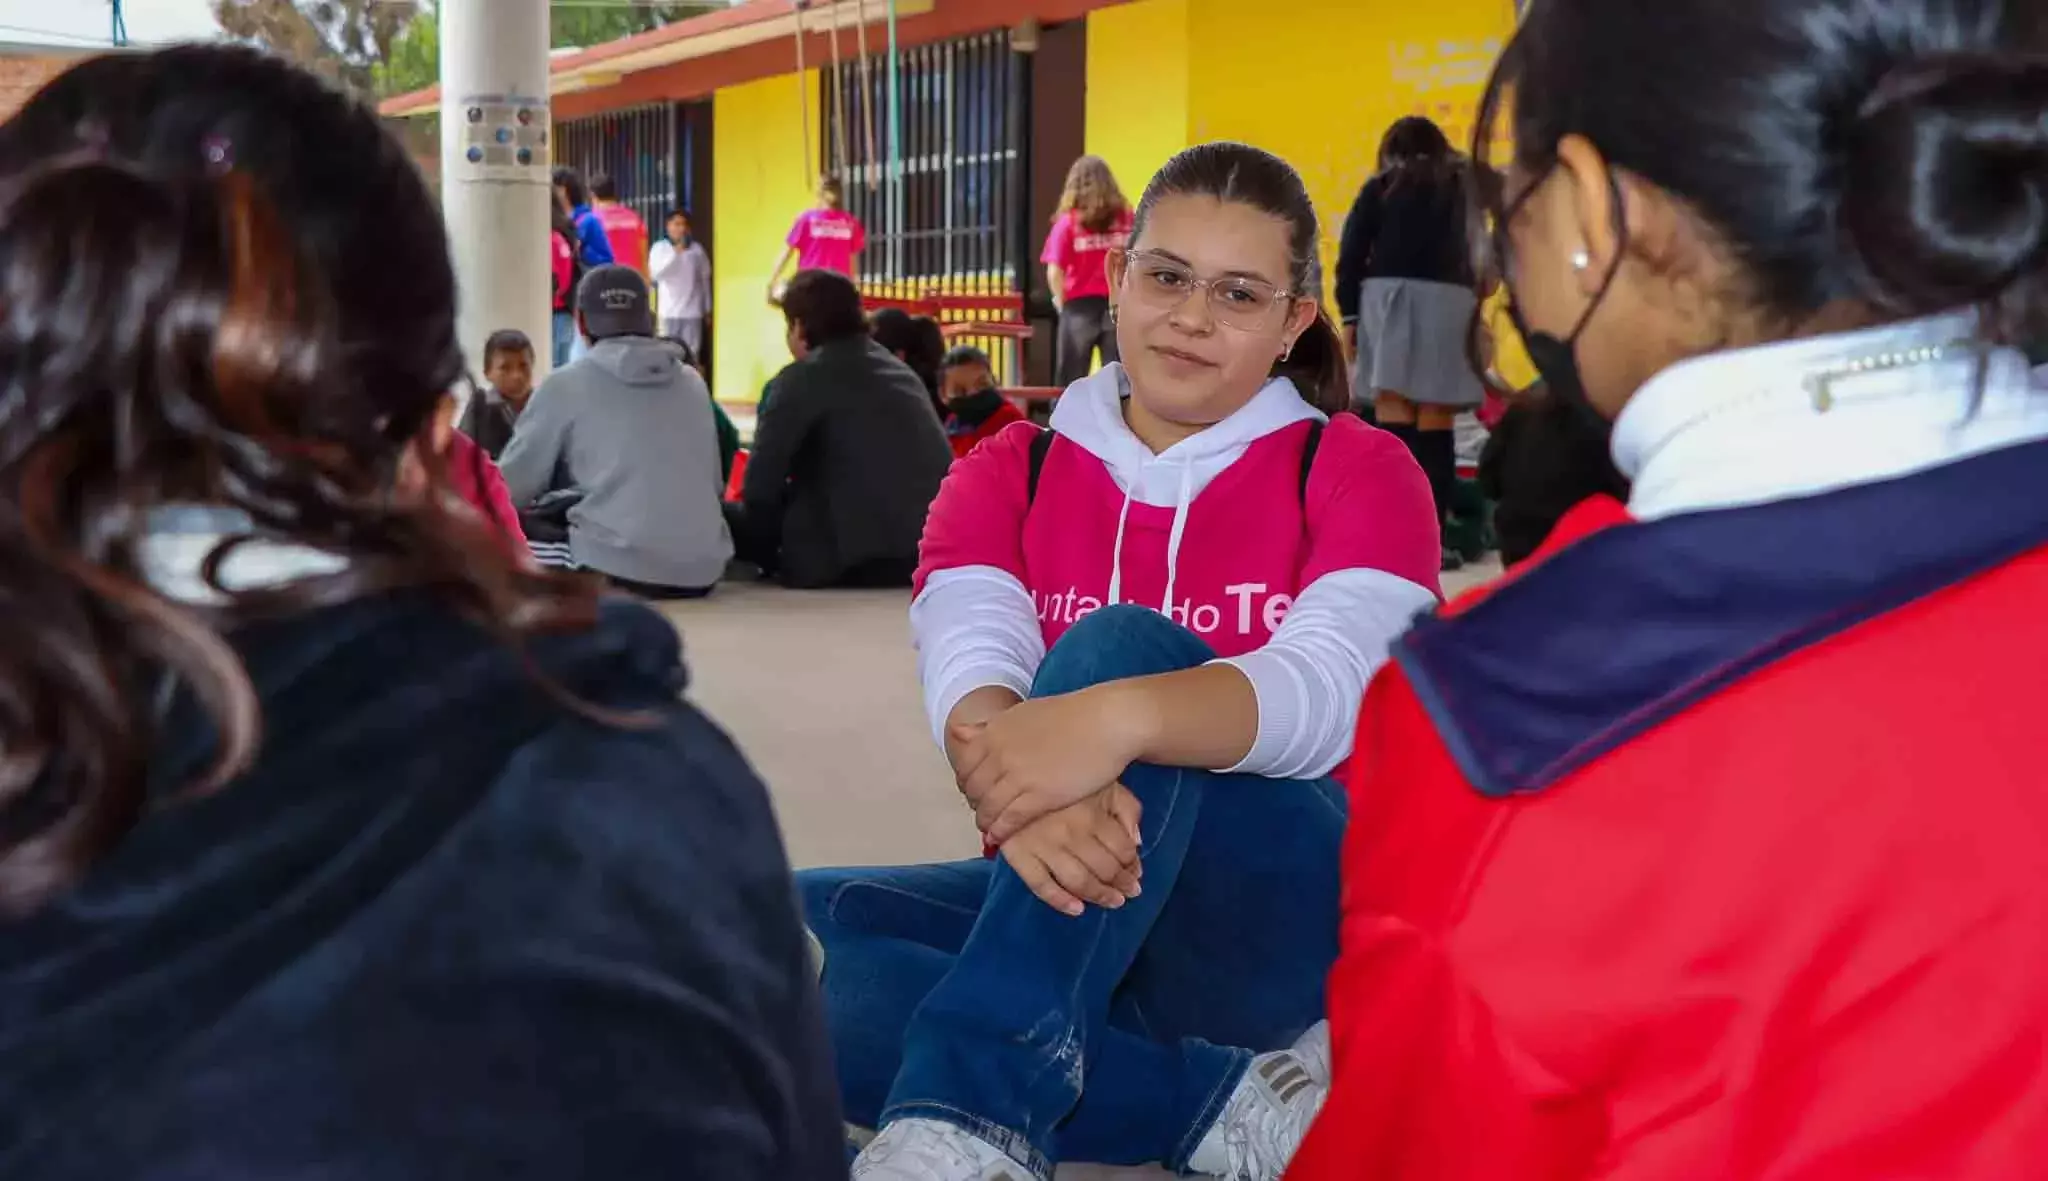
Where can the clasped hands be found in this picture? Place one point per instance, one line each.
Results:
(1042, 776)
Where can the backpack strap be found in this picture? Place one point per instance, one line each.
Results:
(1040, 447)
(1309, 448)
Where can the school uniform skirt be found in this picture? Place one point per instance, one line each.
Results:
(1411, 342)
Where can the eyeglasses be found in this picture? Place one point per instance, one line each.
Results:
(1159, 282)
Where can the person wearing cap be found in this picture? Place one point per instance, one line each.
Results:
(630, 429)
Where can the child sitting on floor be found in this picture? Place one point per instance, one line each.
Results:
(494, 408)
(975, 407)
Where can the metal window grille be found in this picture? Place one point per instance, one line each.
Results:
(952, 220)
(644, 150)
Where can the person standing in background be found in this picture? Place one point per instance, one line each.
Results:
(623, 229)
(824, 238)
(565, 270)
(1094, 222)
(593, 246)
(1404, 287)
(681, 270)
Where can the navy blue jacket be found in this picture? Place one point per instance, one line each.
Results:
(443, 929)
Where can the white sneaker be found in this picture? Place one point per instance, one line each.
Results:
(933, 1150)
(1312, 1049)
(1265, 1120)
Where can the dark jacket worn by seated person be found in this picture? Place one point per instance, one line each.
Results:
(444, 928)
(847, 457)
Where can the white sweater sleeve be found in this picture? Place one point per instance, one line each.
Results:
(974, 627)
(1310, 677)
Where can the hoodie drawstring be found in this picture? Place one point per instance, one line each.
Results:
(1116, 557)
(1180, 525)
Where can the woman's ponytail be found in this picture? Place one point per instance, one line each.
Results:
(1317, 366)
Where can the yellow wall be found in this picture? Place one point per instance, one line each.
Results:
(760, 183)
(1316, 82)
(1138, 93)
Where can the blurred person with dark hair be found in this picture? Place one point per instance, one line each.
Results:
(918, 342)
(336, 841)
(847, 451)
(594, 246)
(1404, 287)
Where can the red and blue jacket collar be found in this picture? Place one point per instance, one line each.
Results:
(1632, 625)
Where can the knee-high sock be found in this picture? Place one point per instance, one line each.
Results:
(1437, 452)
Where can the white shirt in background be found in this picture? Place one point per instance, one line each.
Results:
(682, 280)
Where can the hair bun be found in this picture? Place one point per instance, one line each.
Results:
(1945, 197)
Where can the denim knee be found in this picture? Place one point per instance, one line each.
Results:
(1117, 643)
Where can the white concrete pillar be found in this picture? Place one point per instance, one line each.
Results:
(495, 166)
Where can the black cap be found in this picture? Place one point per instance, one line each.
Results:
(613, 302)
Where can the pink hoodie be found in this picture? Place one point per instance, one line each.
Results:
(1246, 545)
(1216, 533)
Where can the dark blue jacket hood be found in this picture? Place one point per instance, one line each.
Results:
(444, 928)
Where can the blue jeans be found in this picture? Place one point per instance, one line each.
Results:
(565, 338)
(953, 993)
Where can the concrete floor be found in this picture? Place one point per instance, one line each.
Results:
(820, 690)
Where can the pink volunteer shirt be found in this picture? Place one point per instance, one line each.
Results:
(827, 240)
(1084, 254)
(1252, 540)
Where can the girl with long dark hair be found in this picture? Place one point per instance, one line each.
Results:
(334, 840)
(1404, 287)
(1713, 843)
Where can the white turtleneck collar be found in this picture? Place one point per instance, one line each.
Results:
(1747, 426)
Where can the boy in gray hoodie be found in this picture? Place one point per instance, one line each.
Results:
(632, 429)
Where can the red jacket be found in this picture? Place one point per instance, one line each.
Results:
(966, 438)
(1711, 849)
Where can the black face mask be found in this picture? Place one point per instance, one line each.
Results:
(976, 408)
(1557, 359)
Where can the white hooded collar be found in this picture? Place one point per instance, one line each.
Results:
(1091, 415)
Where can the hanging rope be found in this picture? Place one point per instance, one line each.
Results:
(867, 102)
(803, 99)
(838, 98)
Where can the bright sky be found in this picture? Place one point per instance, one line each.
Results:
(87, 22)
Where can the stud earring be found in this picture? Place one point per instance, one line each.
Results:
(1581, 260)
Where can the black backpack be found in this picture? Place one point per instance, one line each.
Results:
(1042, 445)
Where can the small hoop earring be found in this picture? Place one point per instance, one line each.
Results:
(1112, 313)
(1288, 352)
(1581, 260)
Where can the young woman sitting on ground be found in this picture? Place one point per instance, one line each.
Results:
(1143, 636)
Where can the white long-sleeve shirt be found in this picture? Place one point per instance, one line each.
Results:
(682, 279)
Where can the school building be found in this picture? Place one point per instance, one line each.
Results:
(953, 148)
